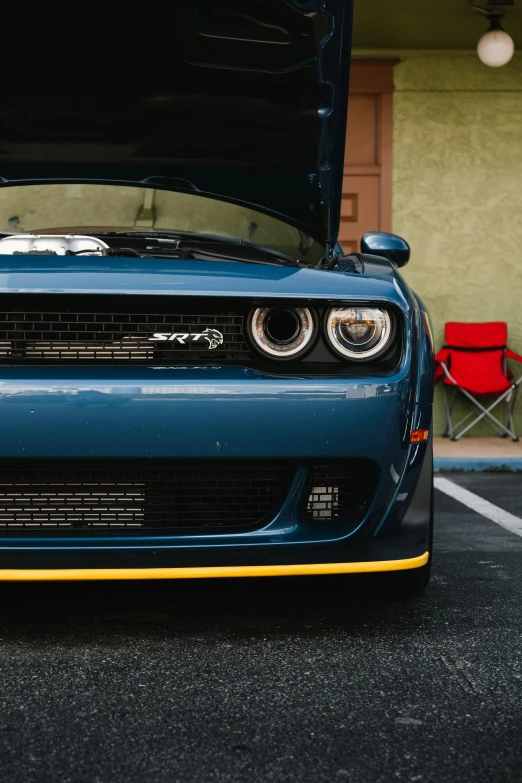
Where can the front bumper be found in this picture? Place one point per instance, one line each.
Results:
(209, 572)
(223, 413)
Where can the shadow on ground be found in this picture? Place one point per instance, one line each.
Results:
(265, 605)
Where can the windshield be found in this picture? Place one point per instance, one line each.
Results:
(91, 208)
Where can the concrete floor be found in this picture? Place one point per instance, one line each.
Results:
(316, 679)
(477, 448)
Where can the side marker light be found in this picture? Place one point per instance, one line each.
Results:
(419, 436)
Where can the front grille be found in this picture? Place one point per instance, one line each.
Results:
(59, 329)
(104, 497)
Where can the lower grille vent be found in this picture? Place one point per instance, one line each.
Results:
(101, 498)
(334, 494)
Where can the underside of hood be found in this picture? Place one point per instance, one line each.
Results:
(241, 99)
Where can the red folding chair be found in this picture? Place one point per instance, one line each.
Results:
(473, 363)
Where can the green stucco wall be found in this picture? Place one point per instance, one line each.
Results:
(457, 190)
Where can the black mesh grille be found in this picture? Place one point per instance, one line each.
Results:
(61, 329)
(334, 493)
(103, 497)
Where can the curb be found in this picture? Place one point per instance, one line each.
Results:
(478, 464)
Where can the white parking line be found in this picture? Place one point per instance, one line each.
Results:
(484, 507)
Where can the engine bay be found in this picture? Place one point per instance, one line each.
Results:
(52, 244)
(138, 244)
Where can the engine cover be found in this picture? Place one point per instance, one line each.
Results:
(52, 244)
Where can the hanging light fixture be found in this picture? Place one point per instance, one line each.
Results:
(496, 47)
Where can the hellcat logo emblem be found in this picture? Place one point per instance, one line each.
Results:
(214, 337)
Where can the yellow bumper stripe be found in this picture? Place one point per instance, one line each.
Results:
(206, 572)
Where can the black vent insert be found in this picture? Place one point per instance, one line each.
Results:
(101, 497)
(338, 491)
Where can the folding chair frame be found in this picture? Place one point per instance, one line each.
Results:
(508, 399)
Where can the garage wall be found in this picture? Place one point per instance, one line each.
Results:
(457, 189)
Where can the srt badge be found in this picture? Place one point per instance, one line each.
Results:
(214, 337)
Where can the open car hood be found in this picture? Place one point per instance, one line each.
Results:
(245, 100)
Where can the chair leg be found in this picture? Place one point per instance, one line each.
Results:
(451, 405)
(505, 416)
(486, 414)
(510, 408)
(454, 428)
(497, 427)
(447, 423)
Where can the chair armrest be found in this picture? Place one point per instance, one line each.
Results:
(441, 369)
(442, 355)
(509, 354)
(438, 375)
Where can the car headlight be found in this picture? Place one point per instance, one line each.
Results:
(358, 332)
(282, 332)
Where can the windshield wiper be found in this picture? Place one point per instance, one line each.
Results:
(186, 245)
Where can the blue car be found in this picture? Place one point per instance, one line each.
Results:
(195, 381)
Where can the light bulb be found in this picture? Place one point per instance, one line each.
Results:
(495, 48)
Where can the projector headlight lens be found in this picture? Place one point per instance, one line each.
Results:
(359, 332)
(282, 332)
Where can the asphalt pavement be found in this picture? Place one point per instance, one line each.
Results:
(317, 679)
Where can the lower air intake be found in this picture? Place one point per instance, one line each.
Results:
(334, 494)
(103, 497)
